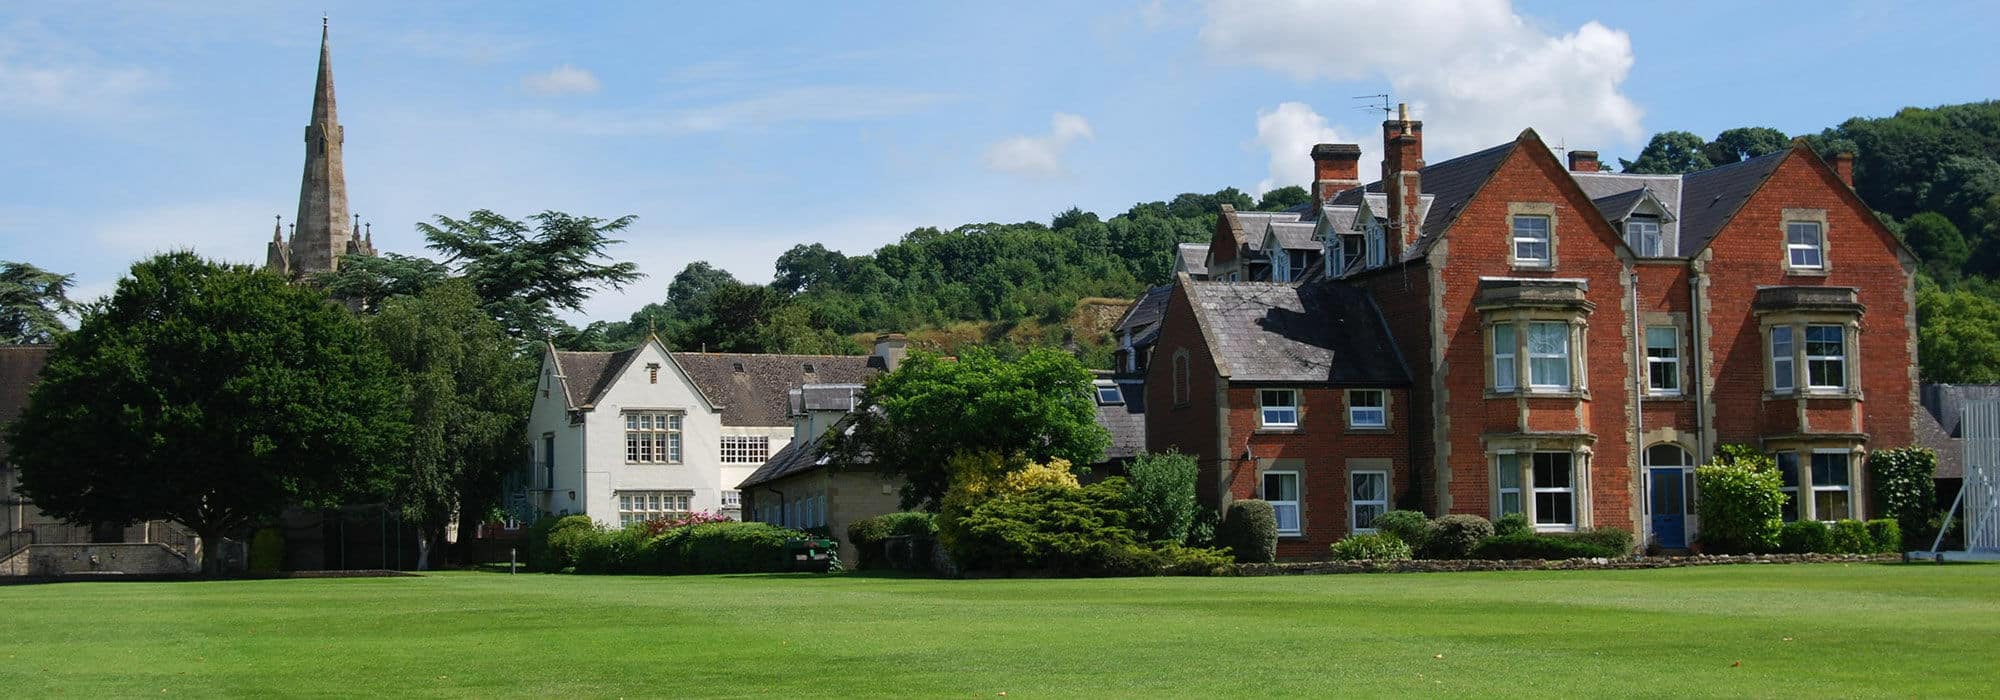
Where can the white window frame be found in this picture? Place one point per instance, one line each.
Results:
(1281, 265)
(732, 499)
(1568, 490)
(1278, 506)
(1378, 251)
(1784, 364)
(1663, 361)
(1117, 395)
(1646, 236)
(646, 506)
(1507, 468)
(745, 449)
(1545, 239)
(1504, 365)
(1837, 361)
(1535, 380)
(1846, 474)
(1355, 258)
(1265, 408)
(1814, 249)
(1355, 503)
(1368, 416)
(653, 437)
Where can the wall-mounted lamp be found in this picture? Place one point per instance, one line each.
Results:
(572, 495)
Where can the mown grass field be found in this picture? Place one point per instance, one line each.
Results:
(1764, 631)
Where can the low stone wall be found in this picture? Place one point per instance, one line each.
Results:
(59, 560)
(1449, 565)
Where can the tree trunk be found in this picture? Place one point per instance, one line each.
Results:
(211, 552)
(424, 546)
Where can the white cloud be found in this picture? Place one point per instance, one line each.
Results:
(1039, 156)
(1475, 71)
(43, 74)
(561, 80)
(1288, 134)
(790, 105)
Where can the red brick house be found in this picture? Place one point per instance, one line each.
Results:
(1575, 340)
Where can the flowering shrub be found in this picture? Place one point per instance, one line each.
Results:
(655, 528)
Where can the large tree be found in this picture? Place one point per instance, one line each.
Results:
(1036, 408)
(1958, 335)
(468, 393)
(524, 273)
(1744, 143)
(212, 395)
(366, 281)
(1938, 244)
(1669, 152)
(32, 303)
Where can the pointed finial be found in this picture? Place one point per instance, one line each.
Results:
(277, 228)
(357, 223)
(369, 229)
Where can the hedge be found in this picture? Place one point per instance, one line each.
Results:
(1805, 537)
(1250, 531)
(1741, 502)
(1543, 546)
(1903, 486)
(870, 536)
(1887, 535)
(1412, 527)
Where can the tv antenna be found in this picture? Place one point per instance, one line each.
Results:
(1377, 102)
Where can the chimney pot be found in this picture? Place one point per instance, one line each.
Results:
(1584, 162)
(1336, 167)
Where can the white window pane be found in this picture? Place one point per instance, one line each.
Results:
(1288, 516)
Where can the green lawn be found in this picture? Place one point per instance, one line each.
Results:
(1768, 631)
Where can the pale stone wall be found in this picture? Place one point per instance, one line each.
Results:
(51, 560)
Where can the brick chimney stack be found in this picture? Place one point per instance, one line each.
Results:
(1584, 162)
(1402, 158)
(1843, 165)
(1336, 167)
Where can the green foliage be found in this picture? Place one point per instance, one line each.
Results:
(1202, 532)
(1851, 537)
(1887, 536)
(1163, 492)
(1410, 526)
(916, 419)
(719, 548)
(1284, 198)
(1377, 546)
(524, 273)
(566, 538)
(1071, 530)
(1670, 152)
(267, 550)
(32, 303)
(1455, 536)
(1513, 524)
(1250, 531)
(366, 281)
(1805, 537)
(869, 535)
(1938, 243)
(1744, 143)
(1177, 560)
(1609, 539)
(1534, 546)
(209, 394)
(1904, 486)
(1958, 335)
(1741, 503)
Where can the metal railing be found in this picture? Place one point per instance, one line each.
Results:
(174, 535)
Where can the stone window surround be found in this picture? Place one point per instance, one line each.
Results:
(1542, 209)
(1297, 469)
(1785, 219)
(1579, 365)
(1805, 447)
(1850, 324)
(1298, 411)
(1579, 447)
(1369, 465)
(1679, 322)
(1347, 397)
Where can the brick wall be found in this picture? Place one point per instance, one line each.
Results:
(1321, 449)
(1192, 427)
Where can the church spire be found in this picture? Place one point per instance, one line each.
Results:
(324, 231)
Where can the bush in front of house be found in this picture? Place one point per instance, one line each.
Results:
(1609, 539)
(719, 548)
(1513, 524)
(1805, 537)
(1742, 501)
(553, 543)
(1410, 526)
(1069, 530)
(1851, 537)
(1178, 560)
(267, 550)
(870, 536)
(1547, 546)
(1904, 486)
(1887, 536)
(1371, 546)
(1455, 536)
(603, 551)
(1250, 531)
(1163, 495)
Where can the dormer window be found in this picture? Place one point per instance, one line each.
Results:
(1353, 250)
(1296, 266)
(1643, 232)
(1281, 265)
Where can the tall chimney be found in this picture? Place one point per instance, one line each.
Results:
(889, 351)
(1336, 167)
(1583, 162)
(1402, 158)
(1843, 165)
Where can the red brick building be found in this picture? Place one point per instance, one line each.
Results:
(1568, 343)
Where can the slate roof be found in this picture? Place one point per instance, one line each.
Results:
(1278, 332)
(1194, 258)
(1294, 235)
(797, 457)
(20, 365)
(1146, 310)
(1125, 420)
(588, 374)
(1618, 206)
(757, 395)
(1250, 226)
(1945, 404)
(1449, 184)
(1598, 185)
(1710, 198)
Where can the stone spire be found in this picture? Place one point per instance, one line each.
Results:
(324, 231)
(277, 257)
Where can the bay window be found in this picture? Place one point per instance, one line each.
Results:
(1548, 356)
(1826, 358)
(1788, 476)
(1508, 469)
(1555, 491)
(1832, 487)
(1503, 357)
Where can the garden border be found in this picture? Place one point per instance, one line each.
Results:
(1432, 566)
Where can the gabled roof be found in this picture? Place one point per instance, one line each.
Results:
(1124, 420)
(1710, 198)
(1620, 206)
(1279, 332)
(1666, 189)
(586, 375)
(757, 394)
(1194, 258)
(1146, 310)
(796, 457)
(1294, 235)
(1249, 226)
(20, 366)
(1449, 184)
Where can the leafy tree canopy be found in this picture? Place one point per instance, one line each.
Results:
(1669, 152)
(32, 303)
(523, 273)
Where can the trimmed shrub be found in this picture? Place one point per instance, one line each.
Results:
(1851, 537)
(1513, 524)
(1055, 528)
(1410, 526)
(267, 550)
(870, 535)
(1195, 561)
(1741, 502)
(1534, 546)
(1249, 531)
(609, 551)
(1887, 536)
(1902, 479)
(977, 478)
(720, 548)
(1455, 536)
(1805, 537)
(1377, 546)
(1609, 539)
(1163, 495)
(564, 540)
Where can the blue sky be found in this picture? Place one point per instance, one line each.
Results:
(736, 130)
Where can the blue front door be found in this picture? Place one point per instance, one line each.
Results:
(1669, 501)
